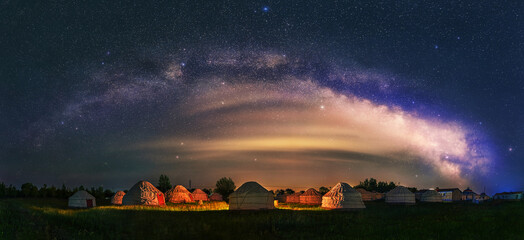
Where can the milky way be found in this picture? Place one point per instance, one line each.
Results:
(262, 114)
(289, 94)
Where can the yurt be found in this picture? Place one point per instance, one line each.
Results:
(343, 196)
(366, 196)
(282, 197)
(251, 196)
(117, 198)
(311, 197)
(143, 193)
(400, 195)
(199, 195)
(379, 196)
(216, 197)
(82, 199)
(293, 198)
(431, 196)
(179, 194)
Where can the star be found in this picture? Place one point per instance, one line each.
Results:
(265, 9)
(436, 46)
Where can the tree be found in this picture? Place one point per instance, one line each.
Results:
(29, 190)
(163, 183)
(280, 192)
(3, 190)
(290, 191)
(323, 190)
(224, 187)
(372, 185)
(43, 191)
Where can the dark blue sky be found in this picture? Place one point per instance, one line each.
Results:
(457, 61)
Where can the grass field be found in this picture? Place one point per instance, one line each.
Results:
(51, 219)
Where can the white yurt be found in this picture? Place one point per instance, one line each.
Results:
(251, 196)
(82, 199)
(343, 196)
(400, 195)
(431, 196)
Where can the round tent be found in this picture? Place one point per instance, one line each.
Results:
(216, 197)
(117, 198)
(143, 193)
(82, 199)
(251, 196)
(311, 197)
(282, 197)
(378, 196)
(293, 198)
(366, 196)
(431, 196)
(179, 194)
(343, 196)
(400, 195)
(199, 195)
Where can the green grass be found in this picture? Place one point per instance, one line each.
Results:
(51, 219)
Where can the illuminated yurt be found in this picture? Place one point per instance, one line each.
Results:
(251, 196)
(179, 194)
(143, 193)
(311, 197)
(117, 198)
(431, 196)
(293, 198)
(366, 196)
(400, 195)
(199, 195)
(343, 196)
(82, 199)
(379, 196)
(216, 197)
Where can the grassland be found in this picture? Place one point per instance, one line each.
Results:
(51, 219)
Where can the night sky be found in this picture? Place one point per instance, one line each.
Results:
(287, 93)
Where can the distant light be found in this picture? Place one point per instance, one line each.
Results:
(322, 107)
(510, 149)
(265, 9)
(436, 46)
(183, 64)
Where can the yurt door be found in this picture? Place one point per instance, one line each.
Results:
(161, 200)
(89, 202)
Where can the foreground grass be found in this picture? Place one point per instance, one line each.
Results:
(50, 219)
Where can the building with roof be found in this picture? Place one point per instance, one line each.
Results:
(508, 196)
(469, 195)
(450, 194)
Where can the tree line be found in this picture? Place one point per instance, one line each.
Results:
(31, 191)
